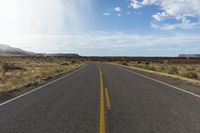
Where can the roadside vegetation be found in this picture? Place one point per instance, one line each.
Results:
(186, 70)
(18, 72)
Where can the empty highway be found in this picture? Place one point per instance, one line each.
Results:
(102, 98)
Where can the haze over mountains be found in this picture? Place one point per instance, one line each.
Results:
(7, 50)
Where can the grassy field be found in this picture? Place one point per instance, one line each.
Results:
(18, 72)
(191, 71)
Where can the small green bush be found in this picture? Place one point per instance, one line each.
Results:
(10, 66)
(124, 63)
(147, 63)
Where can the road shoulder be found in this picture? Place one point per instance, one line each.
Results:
(15, 93)
(174, 81)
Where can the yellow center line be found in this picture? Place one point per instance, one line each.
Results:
(102, 112)
(107, 99)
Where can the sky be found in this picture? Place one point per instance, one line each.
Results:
(102, 27)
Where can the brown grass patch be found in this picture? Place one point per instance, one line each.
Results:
(16, 72)
(191, 71)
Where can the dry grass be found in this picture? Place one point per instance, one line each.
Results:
(21, 72)
(191, 71)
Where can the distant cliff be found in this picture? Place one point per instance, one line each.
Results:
(190, 55)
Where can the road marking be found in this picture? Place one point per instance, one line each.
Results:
(1, 104)
(102, 110)
(158, 81)
(107, 99)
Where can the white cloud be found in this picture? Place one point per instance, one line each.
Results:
(180, 10)
(118, 9)
(175, 26)
(119, 14)
(160, 16)
(106, 14)
(87, 42)
(135, 4)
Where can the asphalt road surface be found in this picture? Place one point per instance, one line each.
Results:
(102, 98)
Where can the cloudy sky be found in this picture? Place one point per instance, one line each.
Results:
(102, 27)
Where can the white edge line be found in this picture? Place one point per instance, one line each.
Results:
(158, 81)
(40, 87)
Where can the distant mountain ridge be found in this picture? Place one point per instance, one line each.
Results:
(190, 55)
(64, 55)
(6, 50)
(11, 51)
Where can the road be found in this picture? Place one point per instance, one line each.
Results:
(102, 98)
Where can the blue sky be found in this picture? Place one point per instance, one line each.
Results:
(102, 27)
(129, 20)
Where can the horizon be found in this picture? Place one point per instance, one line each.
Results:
(181, 54)
(102, 28)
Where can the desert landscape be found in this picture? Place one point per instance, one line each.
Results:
(18, 72)
(187, 70)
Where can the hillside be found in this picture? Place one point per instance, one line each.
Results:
(11, 51)
(6, 50)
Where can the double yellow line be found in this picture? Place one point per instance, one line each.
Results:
(102, 128)
(107, 99)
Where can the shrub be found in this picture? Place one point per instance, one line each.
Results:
(124, 63)
(64, 64)
(161, 67)
(190, 69)
(73, 62)
(147, 63)
(190, 75)
(6, 66)
(173, 70)
(10, 66)
(152, 68)
(148, 67)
